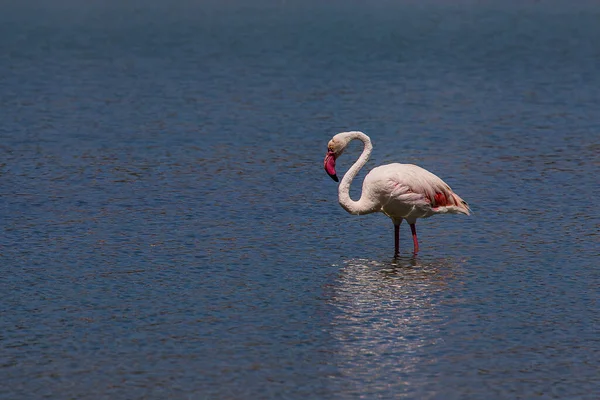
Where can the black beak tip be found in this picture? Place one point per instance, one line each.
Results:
(334, 177)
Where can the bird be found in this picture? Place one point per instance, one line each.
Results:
(400, 191)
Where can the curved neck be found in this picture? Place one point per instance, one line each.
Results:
(364, 205)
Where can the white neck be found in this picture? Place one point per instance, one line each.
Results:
(364, 205)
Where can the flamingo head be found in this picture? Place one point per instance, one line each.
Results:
(335, 148)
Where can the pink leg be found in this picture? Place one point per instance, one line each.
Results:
(413, 229)
(397, 239)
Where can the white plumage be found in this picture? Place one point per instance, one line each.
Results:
(400, 191)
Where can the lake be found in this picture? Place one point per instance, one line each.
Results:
(169, 231)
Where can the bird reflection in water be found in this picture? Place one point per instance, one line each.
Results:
(391, 316)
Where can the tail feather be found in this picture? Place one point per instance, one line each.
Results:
(446, 201)
(461, 205)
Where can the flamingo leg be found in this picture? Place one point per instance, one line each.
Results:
(413, 229)
(397, 239)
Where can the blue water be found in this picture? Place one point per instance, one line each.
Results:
(168, 230)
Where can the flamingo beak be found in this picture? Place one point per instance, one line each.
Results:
(329, 164)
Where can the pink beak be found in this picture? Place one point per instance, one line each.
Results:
(329, 164)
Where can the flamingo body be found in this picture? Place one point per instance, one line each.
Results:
(407, 191)
(400, 191)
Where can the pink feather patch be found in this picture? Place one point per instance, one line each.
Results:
(440, 199)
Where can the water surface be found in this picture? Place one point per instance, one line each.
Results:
(169, 232)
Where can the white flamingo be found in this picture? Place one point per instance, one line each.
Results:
(400, 191)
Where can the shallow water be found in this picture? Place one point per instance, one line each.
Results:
(169, 231)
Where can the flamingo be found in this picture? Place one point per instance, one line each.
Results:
(400, 191)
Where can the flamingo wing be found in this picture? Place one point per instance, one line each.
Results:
(409, 191)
